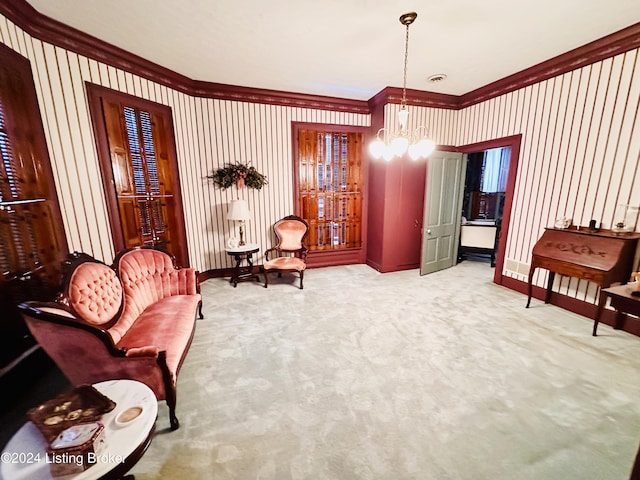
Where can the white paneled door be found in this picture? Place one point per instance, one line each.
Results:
(442, 211)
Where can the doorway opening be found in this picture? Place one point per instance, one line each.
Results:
(513, 143)
(483, 204)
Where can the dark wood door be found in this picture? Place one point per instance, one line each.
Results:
(32, 240)
(138, 156)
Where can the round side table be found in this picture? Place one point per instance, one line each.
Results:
(240, 254)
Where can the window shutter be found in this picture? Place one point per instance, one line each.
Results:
(32, 241)
(330, 172)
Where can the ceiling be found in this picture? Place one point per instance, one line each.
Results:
(345, 48)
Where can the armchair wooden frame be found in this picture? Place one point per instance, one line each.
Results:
(289, 255)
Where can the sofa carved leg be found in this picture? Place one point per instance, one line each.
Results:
(175, 424)
(200, 315)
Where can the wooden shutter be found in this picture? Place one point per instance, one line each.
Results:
(143, 170)
(32, 241)
(330, 186)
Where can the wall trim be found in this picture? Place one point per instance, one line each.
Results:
(580, 307)
(57, 33)
(605, 47)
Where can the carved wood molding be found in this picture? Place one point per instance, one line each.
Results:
(619, 42)
(64, 36)
(67, 37)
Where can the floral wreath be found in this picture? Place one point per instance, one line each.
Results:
(238, 174)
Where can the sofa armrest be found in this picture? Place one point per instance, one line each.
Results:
(146, 351)
(86, 354)
(184, 281)
(39, 316)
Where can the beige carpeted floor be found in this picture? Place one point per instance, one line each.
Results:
(395, 376)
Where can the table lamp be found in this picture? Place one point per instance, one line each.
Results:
(239, 211)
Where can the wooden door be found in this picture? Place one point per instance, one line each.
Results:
(442, 211)
(408, 221)
(145, 204)
(32, 240)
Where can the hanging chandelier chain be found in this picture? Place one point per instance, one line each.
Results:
(405, 140)
(406, 62)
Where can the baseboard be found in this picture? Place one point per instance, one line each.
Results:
(580, 307)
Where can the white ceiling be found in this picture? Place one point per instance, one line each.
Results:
(345, 48)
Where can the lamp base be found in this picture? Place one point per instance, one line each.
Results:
(241, 242)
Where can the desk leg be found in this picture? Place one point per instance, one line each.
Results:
(601, 304)
(552, 276)
(620, 318)
(530, 287)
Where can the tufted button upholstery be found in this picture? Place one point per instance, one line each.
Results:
(95, 293)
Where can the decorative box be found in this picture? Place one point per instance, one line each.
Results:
(82, 404)
(76, 448)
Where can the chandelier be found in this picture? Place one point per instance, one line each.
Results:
(388, 145)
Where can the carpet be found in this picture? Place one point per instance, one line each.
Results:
(395, 376)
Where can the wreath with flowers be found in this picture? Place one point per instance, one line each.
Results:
(238, 174)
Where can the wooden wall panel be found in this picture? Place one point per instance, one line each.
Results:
(209, 133)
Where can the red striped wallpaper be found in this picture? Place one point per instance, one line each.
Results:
(579, 155)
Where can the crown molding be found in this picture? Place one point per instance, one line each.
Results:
(618, 42)
(419, 98)
(57, 33)
(52, 31)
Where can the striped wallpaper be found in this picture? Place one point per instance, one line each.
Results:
(209, 133)
(579, 155)
(579, 158)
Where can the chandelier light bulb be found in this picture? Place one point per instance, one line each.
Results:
(376, 148)
(388, 153)
(403, 141)
(414, 152)
(426, 146)
(399, 145)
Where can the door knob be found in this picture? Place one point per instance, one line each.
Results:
(429, 232)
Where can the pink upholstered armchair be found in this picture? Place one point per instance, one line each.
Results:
(290, 253)
(133, 322)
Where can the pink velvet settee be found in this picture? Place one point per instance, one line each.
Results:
(134, 320)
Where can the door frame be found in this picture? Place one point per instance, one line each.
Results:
(513, 142)
(94, 96)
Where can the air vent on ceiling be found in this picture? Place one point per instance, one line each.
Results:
(438, 77)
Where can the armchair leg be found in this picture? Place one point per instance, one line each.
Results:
(301, 278)
(200, 315)
(266, 280)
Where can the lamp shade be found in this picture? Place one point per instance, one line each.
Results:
(238, 210)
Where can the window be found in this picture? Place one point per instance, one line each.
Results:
(32, 241)
(495, 168)
(330, 188)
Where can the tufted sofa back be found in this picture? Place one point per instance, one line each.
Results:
(94, 292)
(147, 276)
